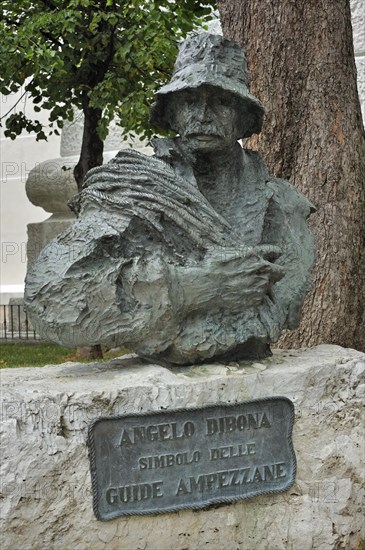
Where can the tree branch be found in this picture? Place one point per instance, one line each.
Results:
(43, 33)
(50, 5)
(15, 104)
(52, 39)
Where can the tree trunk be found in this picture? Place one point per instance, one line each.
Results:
(301, 63)
(91, 155)
(92, 146)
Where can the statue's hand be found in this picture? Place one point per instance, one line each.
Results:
(230, 279)
(245, 277)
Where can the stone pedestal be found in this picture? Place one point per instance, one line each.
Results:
(47, 501)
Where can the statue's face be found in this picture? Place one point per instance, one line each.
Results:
(208, 119)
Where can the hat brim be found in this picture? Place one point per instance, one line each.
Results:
(194, 79)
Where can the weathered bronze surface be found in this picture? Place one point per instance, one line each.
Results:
(193, 255)
(167, 461)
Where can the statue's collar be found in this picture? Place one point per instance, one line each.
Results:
(170, 151)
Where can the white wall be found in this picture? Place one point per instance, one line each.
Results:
(358, 26)
(17, 158)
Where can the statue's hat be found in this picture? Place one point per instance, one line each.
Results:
(210, 59)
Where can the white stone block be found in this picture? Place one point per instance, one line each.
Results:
(72, 137)
(47, 501)
(40, 234)
(360, 67)
(358, 25)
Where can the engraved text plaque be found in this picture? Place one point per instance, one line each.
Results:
(167, 461)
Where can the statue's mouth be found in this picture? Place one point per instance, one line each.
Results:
(204, 137)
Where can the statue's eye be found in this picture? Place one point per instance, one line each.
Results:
(188, 99)
(225, 101)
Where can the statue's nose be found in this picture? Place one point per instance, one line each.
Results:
(203, 111)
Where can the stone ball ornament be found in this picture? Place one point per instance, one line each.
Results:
(193, 255)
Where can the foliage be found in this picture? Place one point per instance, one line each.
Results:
(113, 54)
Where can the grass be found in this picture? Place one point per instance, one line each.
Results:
(18, 355)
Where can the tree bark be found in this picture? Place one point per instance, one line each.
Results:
(91, 155)
(301, 63)
(92, 147)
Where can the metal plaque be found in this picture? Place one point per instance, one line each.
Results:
(171, 460)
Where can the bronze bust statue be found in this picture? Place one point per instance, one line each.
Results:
(194, 254)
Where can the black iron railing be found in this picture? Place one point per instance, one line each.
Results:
(15, 324)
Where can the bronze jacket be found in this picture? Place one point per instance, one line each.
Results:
(116, 276)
